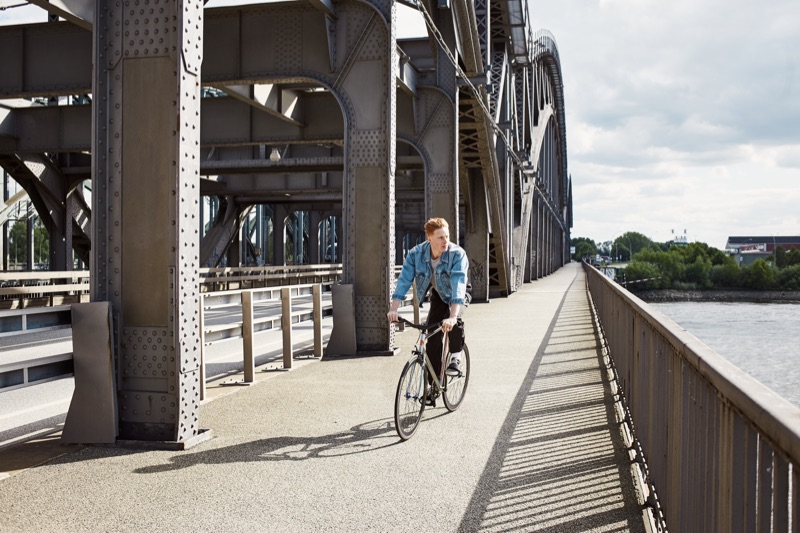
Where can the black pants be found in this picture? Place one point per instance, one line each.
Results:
(438, 312)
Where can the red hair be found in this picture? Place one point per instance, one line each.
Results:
(435, 223)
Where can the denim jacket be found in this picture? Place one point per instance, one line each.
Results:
(451, 274)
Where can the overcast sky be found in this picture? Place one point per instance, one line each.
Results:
(681, 115)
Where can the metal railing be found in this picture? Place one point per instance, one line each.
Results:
(297, 303)
(38, 288)
(278, 286)
(230, 278)
(35, 319)
(21, 289)
(20, 371)
(720, 450)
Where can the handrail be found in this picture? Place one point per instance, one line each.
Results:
(227, 278)
(21, 285)
(43, 288)
(717, 444)
(43, 275)
(247, 300)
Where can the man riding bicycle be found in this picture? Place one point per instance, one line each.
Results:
(442, 266)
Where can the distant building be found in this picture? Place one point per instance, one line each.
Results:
(679, 240)
(747, 249)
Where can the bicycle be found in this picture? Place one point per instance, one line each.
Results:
(413, 388)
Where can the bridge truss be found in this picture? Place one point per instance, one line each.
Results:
(312, 107)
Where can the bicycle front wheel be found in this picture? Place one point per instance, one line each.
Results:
(409, 402)
(455, 387)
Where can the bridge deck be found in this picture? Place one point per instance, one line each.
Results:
(535, 446)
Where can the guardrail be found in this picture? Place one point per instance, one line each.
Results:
(19, 371)
(230, 278)
(19, 290)
(308, 304)
(34, 319)
(298, 302)
(719, 450)
(22, 289)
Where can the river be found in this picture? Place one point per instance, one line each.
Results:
(761, 339)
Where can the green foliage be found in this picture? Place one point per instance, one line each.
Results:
(793, 257)
(726, 275)
(780, 256)
(629, 243)
(760, 275)
(640, 275)
(694, 266)
(700, 250)
(789, 278)
(18, 243)
(584, 248)
(669, 264)
(697, 272)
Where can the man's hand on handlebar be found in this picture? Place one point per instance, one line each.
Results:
(448, 324)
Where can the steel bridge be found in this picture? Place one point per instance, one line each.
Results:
(186, 121)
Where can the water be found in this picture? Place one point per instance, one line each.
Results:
(761, 339)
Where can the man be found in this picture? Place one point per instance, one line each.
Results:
(442, 266)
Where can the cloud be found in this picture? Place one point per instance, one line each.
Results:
(680, 114)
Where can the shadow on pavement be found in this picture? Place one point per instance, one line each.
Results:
(362, 438)
(559, 463)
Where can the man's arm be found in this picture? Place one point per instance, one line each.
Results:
(455, 312)
(392, 315)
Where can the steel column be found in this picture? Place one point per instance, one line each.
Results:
(145, 249)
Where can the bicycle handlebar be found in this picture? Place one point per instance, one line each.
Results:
(416, 326)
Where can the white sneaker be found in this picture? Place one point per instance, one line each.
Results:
(454, 369)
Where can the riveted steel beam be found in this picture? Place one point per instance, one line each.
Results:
(146, 111)
(226, 122)
(53, 59)
(268, 97)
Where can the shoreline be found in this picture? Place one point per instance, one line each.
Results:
(673, 295)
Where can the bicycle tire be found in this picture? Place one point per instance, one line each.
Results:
(409, 401)
(455, 387)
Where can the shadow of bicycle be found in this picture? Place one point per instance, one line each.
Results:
(362, 438)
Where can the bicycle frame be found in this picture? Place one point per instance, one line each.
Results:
(421, 350)
(424, 340)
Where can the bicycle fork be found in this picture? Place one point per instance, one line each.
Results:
(416, 383)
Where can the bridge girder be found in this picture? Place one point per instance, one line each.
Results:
(355, 116)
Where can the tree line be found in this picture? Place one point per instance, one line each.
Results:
(696, 265)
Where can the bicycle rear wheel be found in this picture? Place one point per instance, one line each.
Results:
(409, 402)
(455, 387)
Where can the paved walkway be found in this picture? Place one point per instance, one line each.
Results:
(534, 446)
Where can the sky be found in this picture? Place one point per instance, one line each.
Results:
(682, 117)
